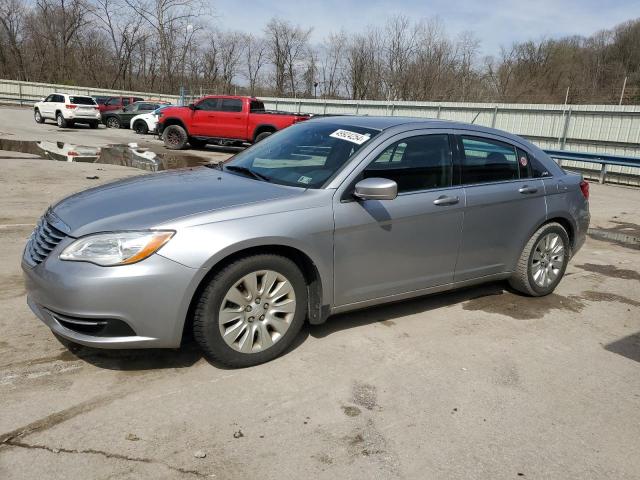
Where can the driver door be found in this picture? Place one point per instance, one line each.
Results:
(390, 247)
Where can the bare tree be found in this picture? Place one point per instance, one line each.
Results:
(287, 45)
(12, 16)
(255, 59)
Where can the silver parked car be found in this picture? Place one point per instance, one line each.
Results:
(329, 215)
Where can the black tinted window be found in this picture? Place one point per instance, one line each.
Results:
(208, 104)
(58, 98)
(487, 161)
(125, 101)
(538, 170)
(416, 163)
(112, 101)
(231, 105)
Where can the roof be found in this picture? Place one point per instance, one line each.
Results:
(387, 122)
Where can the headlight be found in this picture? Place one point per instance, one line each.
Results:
(117, 248)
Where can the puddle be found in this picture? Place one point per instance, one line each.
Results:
(520, 307)
(125, 155)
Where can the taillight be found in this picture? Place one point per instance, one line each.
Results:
(72, 153)
(584, 186)
(71, 107)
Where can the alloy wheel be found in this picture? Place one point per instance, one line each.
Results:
(113, 123)
(257, 311)
(547, 259)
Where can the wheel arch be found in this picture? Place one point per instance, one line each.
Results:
(174, 121)
(315, 314)
(263, 127)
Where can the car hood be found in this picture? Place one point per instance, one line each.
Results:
(150, 200)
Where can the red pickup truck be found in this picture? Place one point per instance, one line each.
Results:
(116, 103)
(222, 120)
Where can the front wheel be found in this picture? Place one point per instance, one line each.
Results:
(543, 261)
(113, 122)
(251, 311)
(175, 137)
(38, 116)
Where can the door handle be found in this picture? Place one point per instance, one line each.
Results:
(527, 189)
(444, 200)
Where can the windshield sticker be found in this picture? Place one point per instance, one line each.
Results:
(305, 180)
(353, 137)
(523, 161)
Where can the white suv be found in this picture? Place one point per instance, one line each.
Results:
(67, 110)
(147, 122)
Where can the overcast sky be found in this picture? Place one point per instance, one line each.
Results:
(494, 22)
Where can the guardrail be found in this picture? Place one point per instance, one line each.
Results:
(621, 169)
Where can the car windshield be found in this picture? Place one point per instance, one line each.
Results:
(82, 100)
(304, 155)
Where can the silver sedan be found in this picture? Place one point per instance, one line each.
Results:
(327, 216)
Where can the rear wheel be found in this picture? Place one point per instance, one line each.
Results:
(262, 136)
(543, 261)
(38, 116)
(175, 137)
(140, 127)
(251, 311)
(61, 121)
(113, 122)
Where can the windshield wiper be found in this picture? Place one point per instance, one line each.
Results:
(247, 171)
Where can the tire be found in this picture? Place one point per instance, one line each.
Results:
(196, 143)
(140, 127)
(175, 137)
(93, 125)
(274, 328)
(112, 122)
(262, 136)
(543, 261)
(37, 116)
(61, 121)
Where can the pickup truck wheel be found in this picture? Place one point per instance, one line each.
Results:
(262, 136)
(196, 143)
(251, 310)
(38, 116)
(175, 137)
(113, 122)
(60, 121)
(141, 128)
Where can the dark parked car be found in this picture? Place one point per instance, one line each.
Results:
(117, 103)
(328, 215)
(122, 118)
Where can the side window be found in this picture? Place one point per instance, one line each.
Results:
(487, 161)
(415, 163)
(231, 105)
(125, 102)
(49, 98)
(112, 101)
(209, 104)
(538, 170)
(58, 98)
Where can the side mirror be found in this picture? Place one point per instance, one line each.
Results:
(376, 189)
(192, 106)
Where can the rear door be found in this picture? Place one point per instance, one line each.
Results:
(503, 204)
(391, 247)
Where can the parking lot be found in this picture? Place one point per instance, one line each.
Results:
(481, 383)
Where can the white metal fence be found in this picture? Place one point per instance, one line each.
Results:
(610, 129)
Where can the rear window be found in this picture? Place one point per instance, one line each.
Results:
(82, 100)
(256, 106)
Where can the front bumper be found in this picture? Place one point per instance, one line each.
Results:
(148, 300)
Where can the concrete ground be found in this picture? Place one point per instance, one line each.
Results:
(17, 123)
(476, 384)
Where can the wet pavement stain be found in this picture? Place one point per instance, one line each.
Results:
(350, 411)
(520, 307)
(611, 271)
(608, 297)
(625, 234)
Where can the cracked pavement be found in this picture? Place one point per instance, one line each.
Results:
(474, 384)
